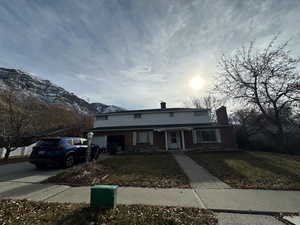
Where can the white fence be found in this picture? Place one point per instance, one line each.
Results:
(21, 151)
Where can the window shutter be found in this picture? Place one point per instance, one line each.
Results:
(134, 138)
(151, 137)
(194, 137)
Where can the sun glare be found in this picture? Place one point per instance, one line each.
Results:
(196, 83)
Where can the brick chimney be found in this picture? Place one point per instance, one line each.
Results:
(163, 105)
(222, 117)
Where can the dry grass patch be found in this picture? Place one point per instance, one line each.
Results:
(28, 213)
(159, 170)
(258, 170)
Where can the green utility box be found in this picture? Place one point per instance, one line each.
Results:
(104, 196)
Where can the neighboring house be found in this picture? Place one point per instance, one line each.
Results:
(164, 129)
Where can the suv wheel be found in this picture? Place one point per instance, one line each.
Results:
(69, 161)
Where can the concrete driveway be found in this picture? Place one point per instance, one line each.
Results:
(20, 180)
(25, 172)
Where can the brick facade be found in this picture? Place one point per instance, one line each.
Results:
(226, 133)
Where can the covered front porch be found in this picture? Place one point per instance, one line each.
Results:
(174, 137)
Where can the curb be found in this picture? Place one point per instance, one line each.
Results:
(252, 212)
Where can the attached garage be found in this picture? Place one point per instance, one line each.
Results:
(101, 141)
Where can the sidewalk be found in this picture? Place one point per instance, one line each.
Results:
(222, 200)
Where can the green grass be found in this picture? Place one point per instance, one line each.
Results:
(259, 170)
(159, 170)
(29, 213)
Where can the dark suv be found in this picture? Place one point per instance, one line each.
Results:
(62, 151)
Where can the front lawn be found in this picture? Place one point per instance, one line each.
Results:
(259, 170)
(159, 170)
(28, 213)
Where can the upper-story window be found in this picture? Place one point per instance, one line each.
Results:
(137, 115)
(102, 117)
(171, 114)
(199, 113)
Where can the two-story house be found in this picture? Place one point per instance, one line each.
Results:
(164, 129)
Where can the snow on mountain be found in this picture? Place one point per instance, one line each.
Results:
(49, 93)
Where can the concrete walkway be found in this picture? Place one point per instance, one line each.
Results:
(199, 177)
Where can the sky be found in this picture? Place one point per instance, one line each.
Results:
(136, 53)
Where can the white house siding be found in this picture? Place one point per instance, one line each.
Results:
(152, 119)
(101, 141)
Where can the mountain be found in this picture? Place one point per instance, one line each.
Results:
(49, 93)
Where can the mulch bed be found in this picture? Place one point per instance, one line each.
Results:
(28, 213)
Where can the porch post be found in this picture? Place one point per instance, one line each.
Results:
(166, 140)
(182, 136)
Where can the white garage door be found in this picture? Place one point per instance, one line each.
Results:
(100, 140)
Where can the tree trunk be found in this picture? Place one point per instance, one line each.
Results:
(281, 139)
(6, 156)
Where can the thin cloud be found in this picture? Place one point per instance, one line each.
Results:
(113, 51)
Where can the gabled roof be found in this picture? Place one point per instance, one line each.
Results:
(159, 110)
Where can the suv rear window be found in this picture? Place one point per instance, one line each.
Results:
(49, 142)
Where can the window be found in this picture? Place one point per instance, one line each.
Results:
(49, 142)
(69, 141)
(137, 115)
(76, 141)
(102, 117)
(199, 113)
(171, 114)
(143, 137)
(206, 136)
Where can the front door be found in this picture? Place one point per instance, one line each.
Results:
(174, 140)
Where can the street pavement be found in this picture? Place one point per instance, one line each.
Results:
(293, 219)
(246, 219)
(251, 200)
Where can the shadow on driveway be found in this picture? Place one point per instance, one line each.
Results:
(25, 172)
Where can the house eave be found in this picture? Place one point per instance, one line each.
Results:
(151, 111)
(161, 127)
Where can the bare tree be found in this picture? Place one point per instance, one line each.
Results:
(209, 102)
(25, 116)
(15, 118)
(266, 80)
(249, 120)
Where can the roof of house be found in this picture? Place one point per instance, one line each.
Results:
(151, 127)
(153, 111)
